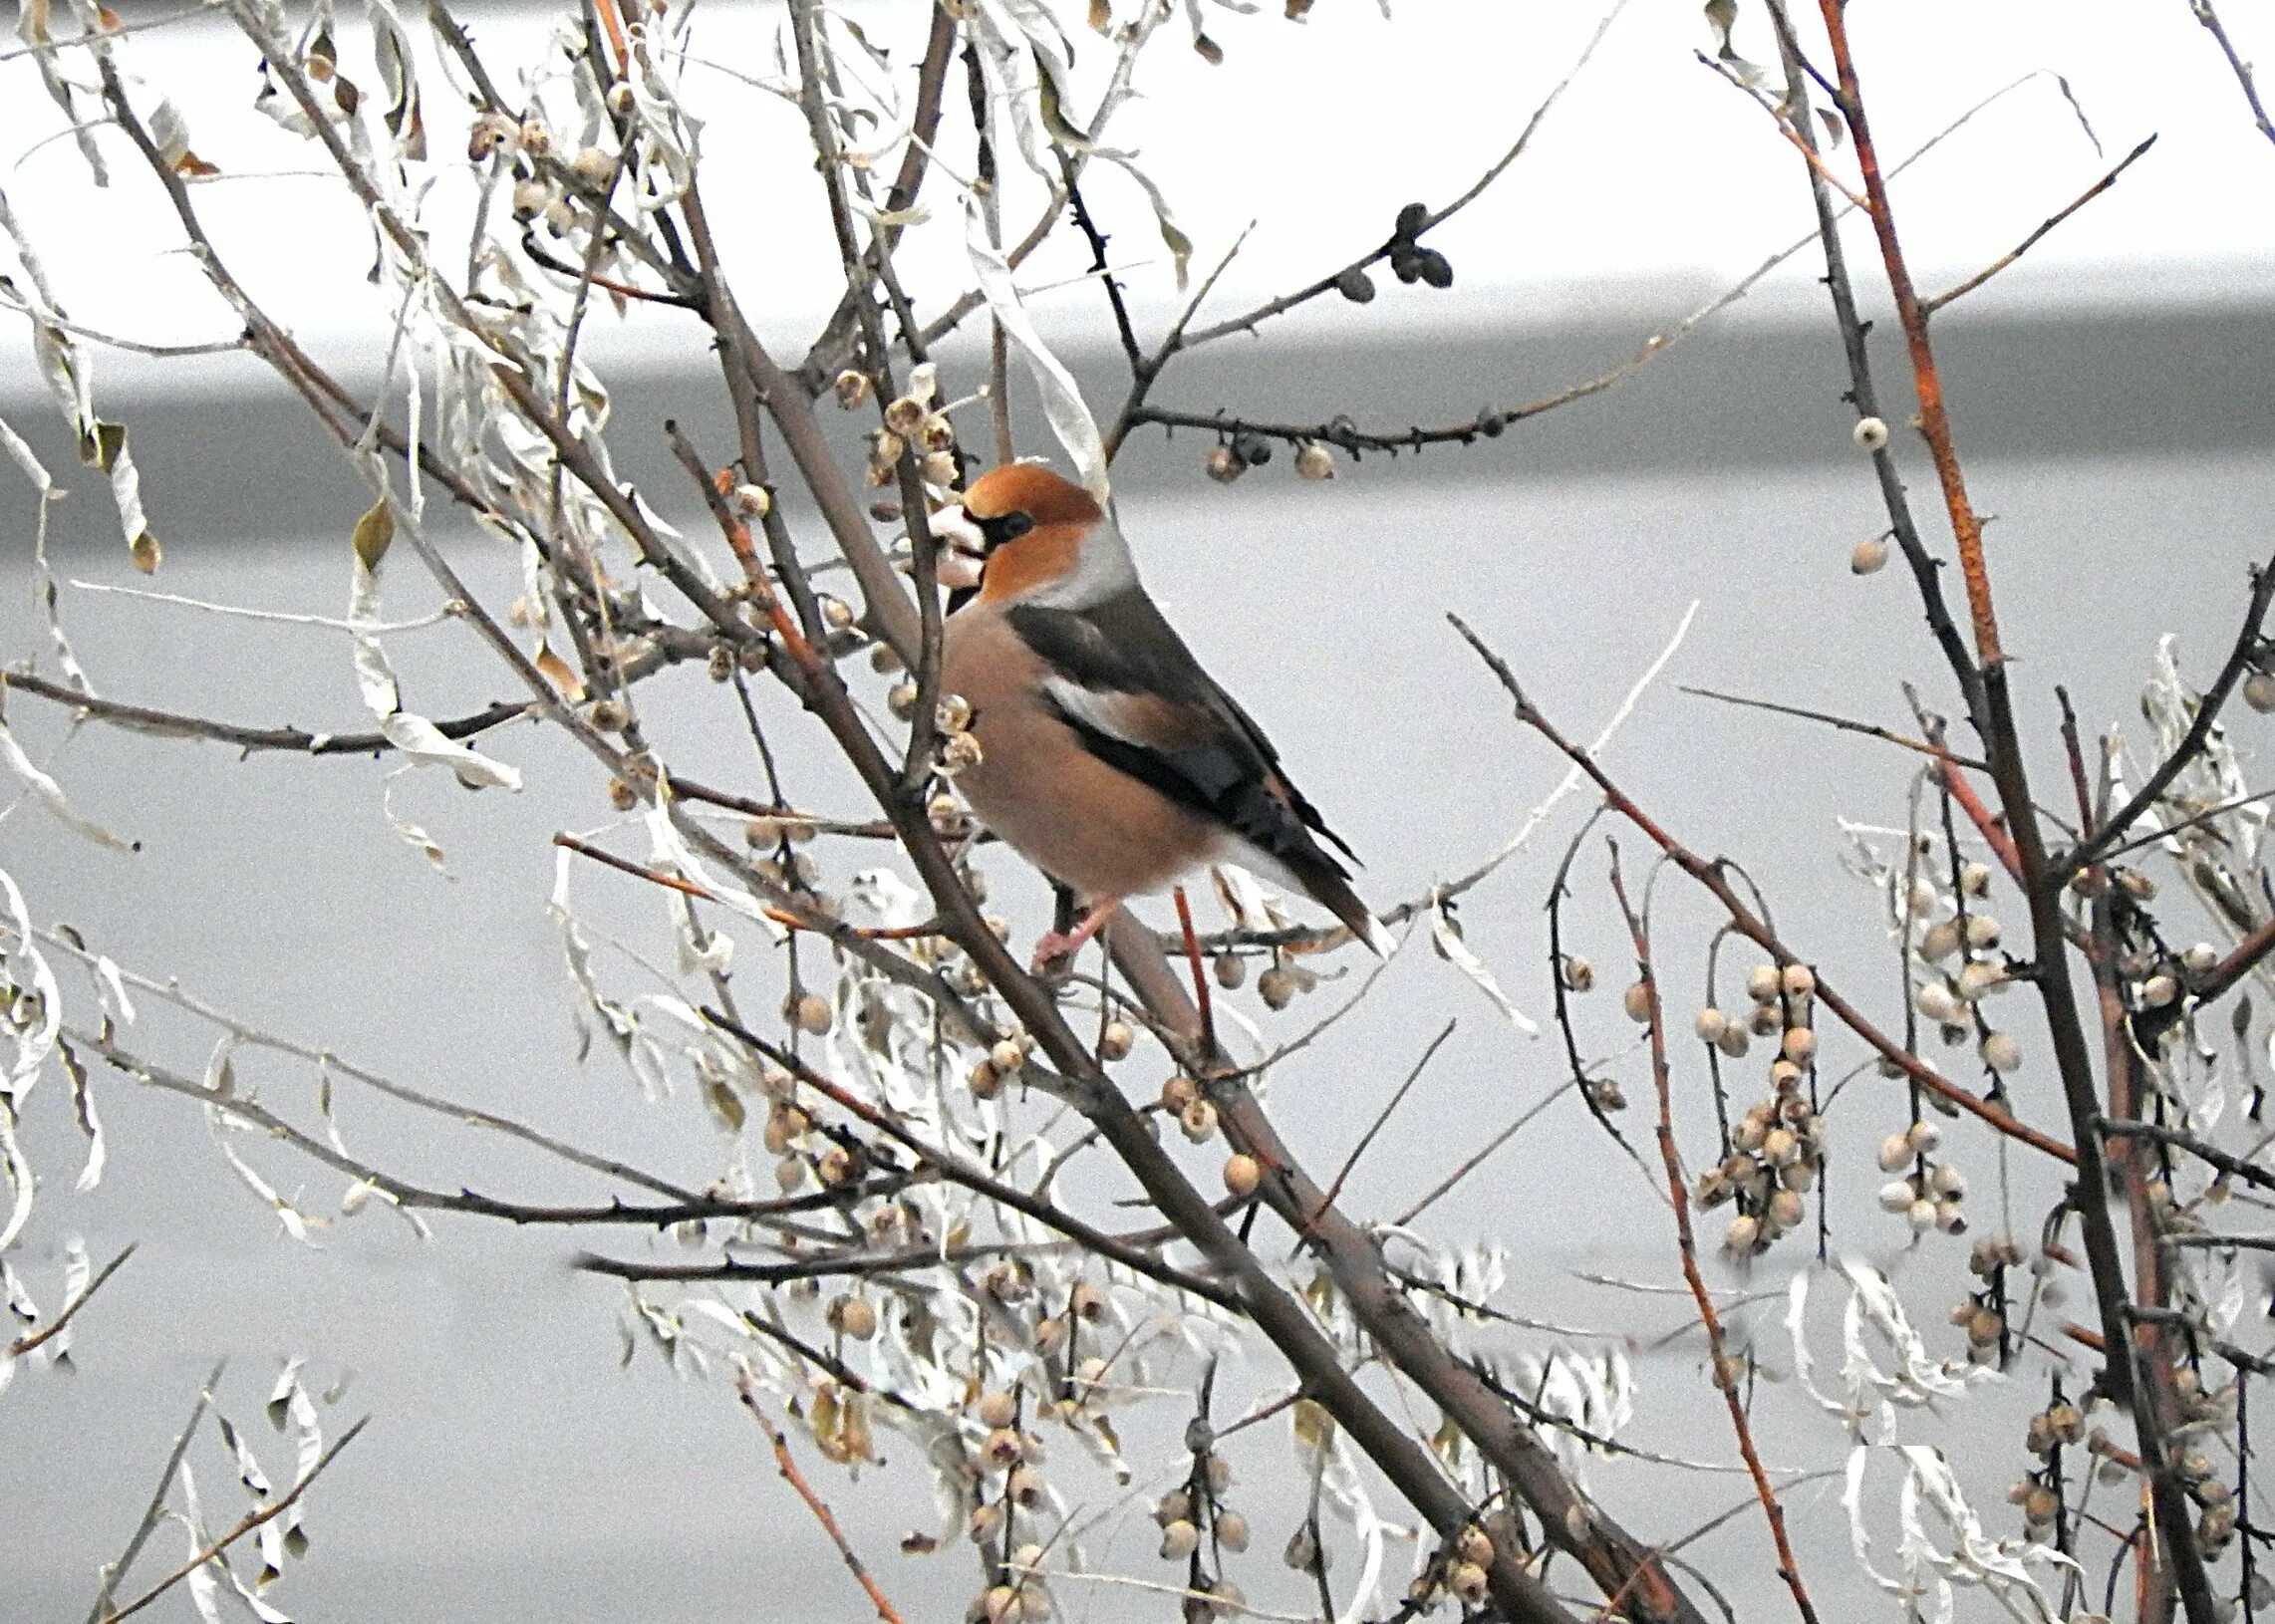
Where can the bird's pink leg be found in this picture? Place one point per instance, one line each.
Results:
(1055, 946)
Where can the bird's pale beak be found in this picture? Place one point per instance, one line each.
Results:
(963, 547)
(957, 529)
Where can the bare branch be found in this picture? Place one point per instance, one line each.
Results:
(2237, 65)
(751, 1399)
(1930, 307)
(244, 1525)
(30, 1339)
(1725, 1371)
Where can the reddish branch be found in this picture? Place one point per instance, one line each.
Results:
(814, 1502)
(1749, 923)
(1724, 1369)
(1986, 823)
(2136, 1376)
(1934, 420)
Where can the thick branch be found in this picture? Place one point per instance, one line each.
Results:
(2133, 1386)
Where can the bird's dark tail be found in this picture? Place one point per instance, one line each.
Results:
(1326, 885)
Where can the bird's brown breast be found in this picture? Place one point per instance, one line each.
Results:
(1037, 787)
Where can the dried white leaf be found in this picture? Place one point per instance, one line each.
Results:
(50, 794)
(113, 991)
(1456, 951)
(249, 1470)
(415, 736)
(411, 833)
(1062, 404)
(22, 1182)
(296, 1223)
(36, 471)
(421, 741)
(83, 1110)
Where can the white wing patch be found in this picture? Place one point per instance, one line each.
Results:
(1110, 713)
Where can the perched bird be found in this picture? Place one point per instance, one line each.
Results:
(1108, 757)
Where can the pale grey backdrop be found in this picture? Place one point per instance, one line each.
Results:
(513, 1472)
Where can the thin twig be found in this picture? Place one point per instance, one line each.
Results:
(1249, 321)
(2233, 1167)
(330, 1064)
(2237, 65)
(31, 1339)
(748, 1389)
(1723, 1369)
(1753, 926)
(1801, 144)
(244, 1525)
(2249, 642)
(296, 740)
(1843, 724)
(786, 918)
(1928, 307)
(1477, 1158)
(112, 1572)
(1336, 1184)
(402, 1194)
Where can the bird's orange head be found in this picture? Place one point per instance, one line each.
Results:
(1037, 530)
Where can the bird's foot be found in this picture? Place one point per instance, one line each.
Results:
(1065, 944)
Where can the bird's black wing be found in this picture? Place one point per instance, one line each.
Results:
(1131, 690)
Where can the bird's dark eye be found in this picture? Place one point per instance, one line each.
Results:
(1005, 527)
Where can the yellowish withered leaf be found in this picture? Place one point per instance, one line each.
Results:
(560, 674)
(374, 534)
(1448, 1441)
(725, 1102)
(102, 444)
(1101, 15)
(1180, 247)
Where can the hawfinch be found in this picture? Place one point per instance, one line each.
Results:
(1108, 757)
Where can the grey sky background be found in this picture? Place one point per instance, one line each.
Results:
(2116, 404)
(512, 1472)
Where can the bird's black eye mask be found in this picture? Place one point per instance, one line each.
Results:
(1004, 527)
